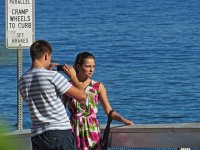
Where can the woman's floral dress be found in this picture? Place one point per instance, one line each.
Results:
(84, 120)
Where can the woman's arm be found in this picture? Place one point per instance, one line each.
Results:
(71, 73)
(107, 108)
(76, 91)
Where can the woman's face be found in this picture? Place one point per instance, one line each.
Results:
(87, 68)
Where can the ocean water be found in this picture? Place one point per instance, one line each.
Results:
(147, 52)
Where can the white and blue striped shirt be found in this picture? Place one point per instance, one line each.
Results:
(42, 90)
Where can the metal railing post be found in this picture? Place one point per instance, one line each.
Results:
(19, 98)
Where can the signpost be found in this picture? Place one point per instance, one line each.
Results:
(19, 23)
(20, 33)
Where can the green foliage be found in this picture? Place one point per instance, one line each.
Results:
(6, 142)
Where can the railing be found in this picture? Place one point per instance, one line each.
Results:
(184, 135)
(156, 136)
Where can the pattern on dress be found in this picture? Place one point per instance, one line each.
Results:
(84, 120)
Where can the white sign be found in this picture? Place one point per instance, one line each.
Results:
(20, 27)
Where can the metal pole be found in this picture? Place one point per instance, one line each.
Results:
(19, 98)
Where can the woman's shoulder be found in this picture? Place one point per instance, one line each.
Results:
(95, 84)
(94, 81)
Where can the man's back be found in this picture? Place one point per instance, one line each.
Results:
(42, 90)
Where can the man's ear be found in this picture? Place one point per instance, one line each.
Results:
(46, 55)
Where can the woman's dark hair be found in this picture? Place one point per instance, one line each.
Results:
(39, 48)
(80, 58)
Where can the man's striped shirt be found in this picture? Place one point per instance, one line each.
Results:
(42, 90)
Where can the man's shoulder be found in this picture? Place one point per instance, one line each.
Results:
(34, 73)
(39, 71)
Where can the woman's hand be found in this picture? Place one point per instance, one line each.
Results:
(116, 116)
(69, 71)
(127, 122)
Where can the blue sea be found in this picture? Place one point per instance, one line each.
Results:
(147, 55)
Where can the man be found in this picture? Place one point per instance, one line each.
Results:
(42, 90)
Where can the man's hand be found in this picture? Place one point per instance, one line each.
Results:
(51, 65)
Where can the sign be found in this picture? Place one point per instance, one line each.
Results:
(20, 28)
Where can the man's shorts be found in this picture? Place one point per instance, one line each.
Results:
(54, 140)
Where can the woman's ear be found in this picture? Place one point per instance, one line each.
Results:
(78, 66)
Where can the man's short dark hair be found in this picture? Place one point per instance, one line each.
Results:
(39, 48)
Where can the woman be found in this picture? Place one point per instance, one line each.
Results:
(83, 115)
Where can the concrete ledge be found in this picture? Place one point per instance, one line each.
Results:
(156, 128)
(20, 133)
(183, 135)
